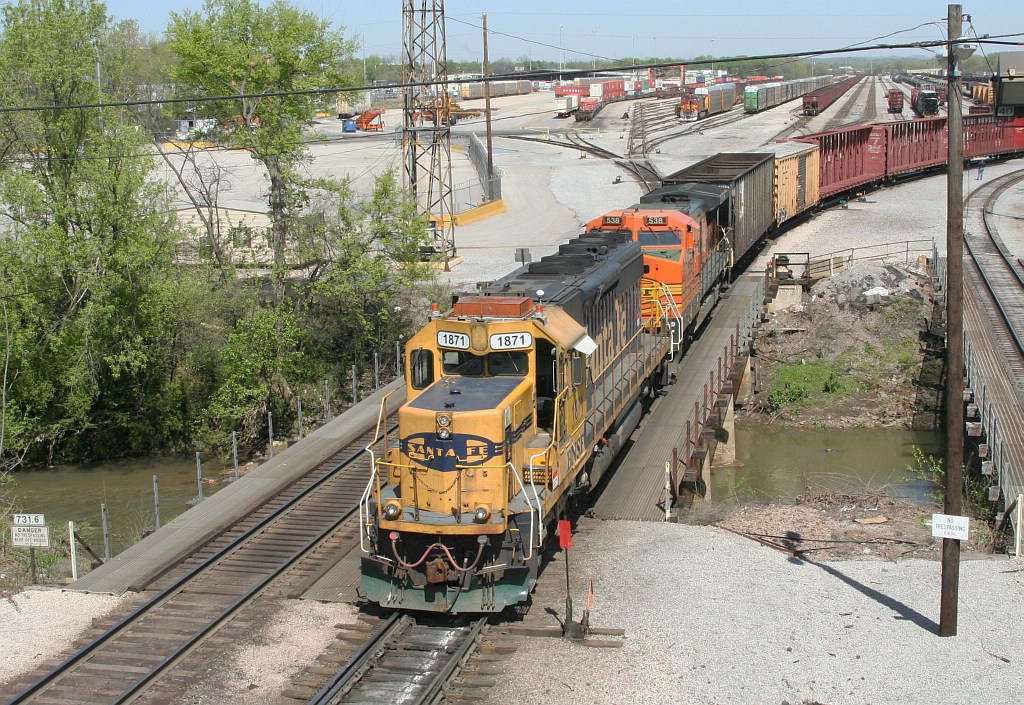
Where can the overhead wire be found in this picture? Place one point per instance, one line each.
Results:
(536, 74)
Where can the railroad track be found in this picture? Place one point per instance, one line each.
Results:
(405, 661)
(996, 280)
(842, 116)
(277, 551)
(642, 173)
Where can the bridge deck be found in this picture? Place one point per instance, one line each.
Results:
(636, 489)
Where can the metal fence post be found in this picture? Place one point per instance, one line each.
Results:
(234, 450)
(270, 431)
(327, 399)
(106, 532)
(398, 356)
(156, 501)
(199, 475)
(1020, 517)
(355, 389)
(376, 370)
(300, 417)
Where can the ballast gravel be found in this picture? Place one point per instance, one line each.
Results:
(714, 618)
(36, 625)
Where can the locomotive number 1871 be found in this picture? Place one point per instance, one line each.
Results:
(511, 341)
(449, 339)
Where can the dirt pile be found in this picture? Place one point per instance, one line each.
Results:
(859, 350)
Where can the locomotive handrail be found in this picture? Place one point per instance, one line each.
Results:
(526, 495)
(668, 308)
(364, 501)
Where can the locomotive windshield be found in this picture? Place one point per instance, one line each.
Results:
(660, 238)
(496, 364)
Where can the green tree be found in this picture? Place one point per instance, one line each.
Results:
(245, 52)
(367, 273)
(85, 262)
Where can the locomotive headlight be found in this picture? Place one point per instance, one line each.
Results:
(482, 514)
(444, 433)
(392, 511)
(444, 420)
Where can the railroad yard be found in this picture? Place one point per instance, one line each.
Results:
(710, 610)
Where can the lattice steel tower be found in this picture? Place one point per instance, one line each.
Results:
(426, 135)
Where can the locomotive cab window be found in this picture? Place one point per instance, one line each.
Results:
(660, 238)
(460, 362)
(421, 368)
(507, 364)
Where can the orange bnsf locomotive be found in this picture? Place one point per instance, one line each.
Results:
(518, 399)
(691, 231)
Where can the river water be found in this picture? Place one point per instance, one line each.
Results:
(776, 466)
(75, 493)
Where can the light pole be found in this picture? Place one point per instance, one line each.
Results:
(632, 52)
(595, 50)
(561, 49)
(712, 57)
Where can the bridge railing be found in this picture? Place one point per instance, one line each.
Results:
(807, 268)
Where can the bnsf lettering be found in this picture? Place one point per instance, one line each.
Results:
(576, 451)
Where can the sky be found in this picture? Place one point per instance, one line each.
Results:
(573, 30)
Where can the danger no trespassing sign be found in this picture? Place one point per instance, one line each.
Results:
(30, 536)
(950, 526)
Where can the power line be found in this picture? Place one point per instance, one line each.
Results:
(541, 74)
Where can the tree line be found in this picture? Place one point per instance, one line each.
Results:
(121, 336)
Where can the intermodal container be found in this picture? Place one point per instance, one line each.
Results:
(571, 90)
(750, 178)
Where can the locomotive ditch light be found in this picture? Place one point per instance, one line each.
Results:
(392, 511)
(482, 514)
(444, 433)
(444, 420)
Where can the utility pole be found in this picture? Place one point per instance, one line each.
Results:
(954, 327)
(561, 49)
(487, 112)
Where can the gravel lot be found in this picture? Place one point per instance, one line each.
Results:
(710, 617)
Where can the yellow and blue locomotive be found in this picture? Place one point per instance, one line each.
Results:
(518, 399)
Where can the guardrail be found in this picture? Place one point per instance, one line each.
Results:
(807, 269)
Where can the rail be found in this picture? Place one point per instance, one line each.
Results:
(402, 639)
(143, 680)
